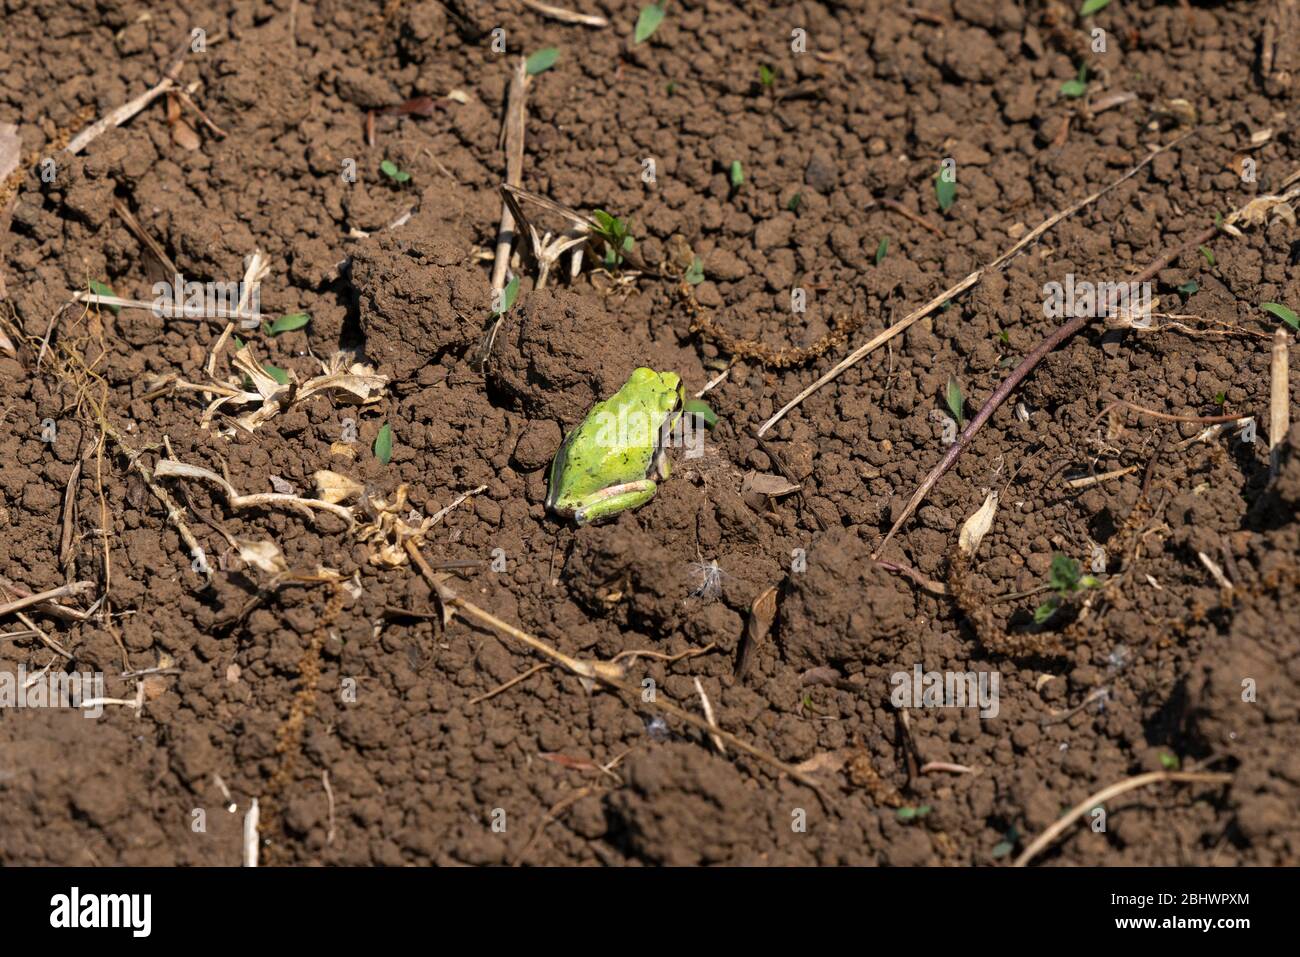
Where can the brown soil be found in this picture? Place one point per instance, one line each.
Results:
(356, 726)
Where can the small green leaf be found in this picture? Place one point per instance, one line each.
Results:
(795, 200)
(1220, 398)
(956, 401)
(701, 410)
(647, 22)
(1008, 842)
(1282, 312)
(276, 373)
(1079, 85)
(1209, 256)
(1092, 6)
(101, 289)
(1045, 611)
(286, 323)
(765, 74)
(384, 444)
(508, 296)
(881, 250)
(911, 813)
(1169, 761)
(239, 343)
(542, 60)
(390, 169)
(603, 218)
(736, 174)
(1064, 573)
(1189, 288)
(945, 190)
(695, 272)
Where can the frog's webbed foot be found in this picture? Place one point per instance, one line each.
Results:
(617, 498)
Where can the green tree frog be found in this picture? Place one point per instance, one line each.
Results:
(612, 461)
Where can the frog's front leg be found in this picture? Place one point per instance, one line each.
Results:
(617, 498)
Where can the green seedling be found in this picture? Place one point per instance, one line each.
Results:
(102, 289)
(618, 239)
(910, 813)
(384, 444)
(1078, 86)
(1093, 6)
(542, 60)
(882, 249)
(695, 272)
(276, 373)
(286, 324)
(502, 305)
(766, 75)
(391, 170)
(1066, 578)
(1189, 288)
(1007, 844)
(1284, 313)
(702, 411)
(945, 191)
(1220, 398)
(1209, 256)
(1169, 761)
(956, 402)
(647, 22)
(795, 200)
(736, 174)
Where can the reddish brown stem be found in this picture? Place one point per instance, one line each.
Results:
(1017, 375)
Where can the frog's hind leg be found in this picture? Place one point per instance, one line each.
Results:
(617, 498)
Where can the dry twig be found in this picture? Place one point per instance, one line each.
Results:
(565, 16)
(1105, 794)
(515, 125)
(1279, 400)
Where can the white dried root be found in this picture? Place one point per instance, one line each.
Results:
(341, 376)
(169, 468)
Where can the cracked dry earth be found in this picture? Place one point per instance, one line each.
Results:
(313, 671)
